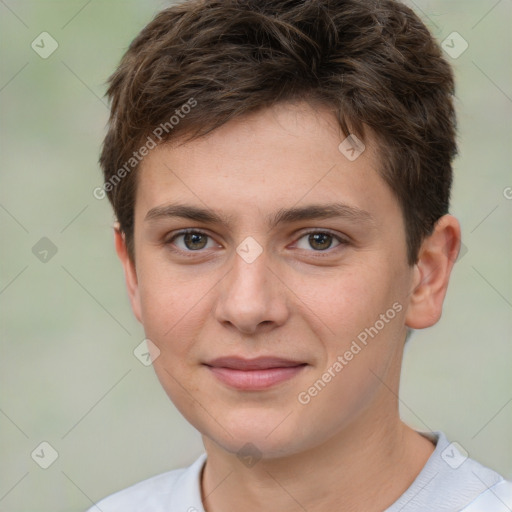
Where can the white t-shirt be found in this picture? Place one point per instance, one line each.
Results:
(449, 482)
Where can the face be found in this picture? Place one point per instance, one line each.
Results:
(282, 307)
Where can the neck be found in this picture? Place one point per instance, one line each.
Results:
(366, 467)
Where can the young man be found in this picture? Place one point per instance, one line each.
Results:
(281, 172)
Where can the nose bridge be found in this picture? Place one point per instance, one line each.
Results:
(250, 276)
(250, 296)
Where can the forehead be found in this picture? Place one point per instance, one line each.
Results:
(284, 156)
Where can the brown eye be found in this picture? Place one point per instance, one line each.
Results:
(319, 241)
(189, 241)
(194, 241)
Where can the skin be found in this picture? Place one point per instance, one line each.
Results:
(346, 449)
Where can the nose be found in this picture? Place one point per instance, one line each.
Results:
(251, 298)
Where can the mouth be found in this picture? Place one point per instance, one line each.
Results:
(254, 374)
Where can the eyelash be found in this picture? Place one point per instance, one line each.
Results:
(319, 254)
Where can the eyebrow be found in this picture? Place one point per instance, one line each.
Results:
(282, 216)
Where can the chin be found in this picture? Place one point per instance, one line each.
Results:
(261, 433)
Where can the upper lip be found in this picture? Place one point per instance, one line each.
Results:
(259, 363)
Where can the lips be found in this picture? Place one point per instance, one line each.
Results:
(254, 374)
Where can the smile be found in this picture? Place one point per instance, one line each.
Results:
(254, 374)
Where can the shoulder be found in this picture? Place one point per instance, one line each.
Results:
(453, 482)
(167, 492)
(497, 498)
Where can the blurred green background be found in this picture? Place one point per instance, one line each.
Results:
(68, 375)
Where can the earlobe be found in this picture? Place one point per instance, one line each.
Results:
(436, 258)
(130, 273)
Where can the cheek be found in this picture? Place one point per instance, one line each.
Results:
(349, 301)
(172, 320)
(360, 318)
(171, 303)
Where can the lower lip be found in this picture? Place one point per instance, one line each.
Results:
(255, 380)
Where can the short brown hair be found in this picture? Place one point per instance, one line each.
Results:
(371, 62)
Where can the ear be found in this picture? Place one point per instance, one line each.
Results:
(130, 274)
(436, 258)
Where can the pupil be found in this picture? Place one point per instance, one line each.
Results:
(320, 240)
(193, 241)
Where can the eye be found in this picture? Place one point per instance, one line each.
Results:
(319, 240)
(191, 240)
